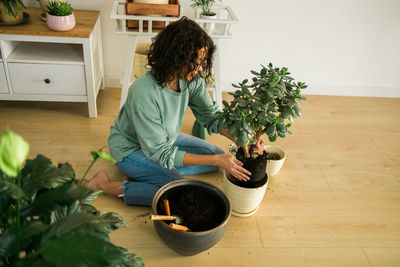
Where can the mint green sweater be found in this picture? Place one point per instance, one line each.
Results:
(152, 116)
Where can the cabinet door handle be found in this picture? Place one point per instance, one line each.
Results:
(47, 81)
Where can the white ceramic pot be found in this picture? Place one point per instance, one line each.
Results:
(244, 201)
(61, 23)
(273, 166)
(209, 26)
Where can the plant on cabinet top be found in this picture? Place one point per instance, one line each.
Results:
(56, 8)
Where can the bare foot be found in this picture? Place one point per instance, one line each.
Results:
(97, 181)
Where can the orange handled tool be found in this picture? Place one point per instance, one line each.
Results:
(162, 218)
(178, 227)
(166, 207)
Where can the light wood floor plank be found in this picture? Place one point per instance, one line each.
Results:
(329, 231)
(330, 204)
(383, 257)
(260, 257)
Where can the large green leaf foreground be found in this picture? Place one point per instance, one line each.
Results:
(47, 218)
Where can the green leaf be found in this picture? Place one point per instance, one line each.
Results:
(103, 155)
(72, 222)
(61, 212)
(236, 86)
(226, 104)
(10, 189)
(272, 138)
(13, 152)
(39, 173)
(81, 249)
(60, 196)
(281, 134)
(108, 222)
(271, 130)
(297, 110)
(255, 72)
(243, 103)
(33, 262)
(10, 245)
(286, 112)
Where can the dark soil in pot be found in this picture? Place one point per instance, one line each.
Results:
(247, 184)
(199, 209)
(256, 166)
(273, 156)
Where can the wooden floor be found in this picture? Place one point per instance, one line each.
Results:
(336, 202)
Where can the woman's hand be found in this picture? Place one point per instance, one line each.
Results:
(233, 166)
(259, 147)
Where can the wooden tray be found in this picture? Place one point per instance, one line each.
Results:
(166, 10)
(171, 9)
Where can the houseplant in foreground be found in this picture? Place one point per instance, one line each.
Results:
(11, 11)
(60, 16)
(46, 217)
(267, 106)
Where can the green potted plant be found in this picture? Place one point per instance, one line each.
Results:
(267, 106)
(11, 11)
(46, 216)
(60, 16)
(206, 12)
(43, 4)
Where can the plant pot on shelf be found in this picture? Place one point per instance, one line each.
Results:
(202, 207)
(244, 201)
(8, 18)
(209, 26)
(61, 23)
(274, 164)
(43, 6)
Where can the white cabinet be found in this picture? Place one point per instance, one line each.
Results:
(3, 81)
(37, 64)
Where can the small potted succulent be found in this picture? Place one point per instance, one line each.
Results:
(11, 11)
(268, 106)
(60, 16)
(47, 217)
(43, 4)
(206, 12)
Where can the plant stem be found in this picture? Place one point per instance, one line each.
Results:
(246, 151)
(87, 170)
(18, 219)
(259, 134)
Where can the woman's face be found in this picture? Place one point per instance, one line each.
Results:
(200, 62)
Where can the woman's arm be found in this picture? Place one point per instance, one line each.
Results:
(224, 161)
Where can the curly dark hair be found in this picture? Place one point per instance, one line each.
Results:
(175, 49)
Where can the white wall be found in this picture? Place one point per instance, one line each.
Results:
(341, 47)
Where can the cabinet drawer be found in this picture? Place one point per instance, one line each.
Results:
(47, 79)
(3, 82)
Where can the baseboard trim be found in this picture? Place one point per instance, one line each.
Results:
(111, 82)
(339, 90)
(313, 89)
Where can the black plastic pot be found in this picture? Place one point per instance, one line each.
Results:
(204, 208)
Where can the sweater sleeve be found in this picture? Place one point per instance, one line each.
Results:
(154, 141)
(204, 109)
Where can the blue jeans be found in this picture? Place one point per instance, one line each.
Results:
(149, 176)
